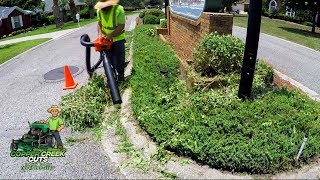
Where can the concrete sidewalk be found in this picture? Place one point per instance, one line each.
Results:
(53, 35)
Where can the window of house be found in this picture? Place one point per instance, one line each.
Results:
(290, 12)
(273, 5)
(16, 22)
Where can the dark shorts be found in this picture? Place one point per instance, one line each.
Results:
(117, 55)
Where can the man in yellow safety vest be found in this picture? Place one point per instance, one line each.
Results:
(111, 23)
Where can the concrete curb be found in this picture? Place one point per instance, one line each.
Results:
(110, 140)
(281, 79)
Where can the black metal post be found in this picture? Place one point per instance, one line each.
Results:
(166, 4)
(251, 49)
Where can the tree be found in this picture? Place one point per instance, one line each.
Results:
(24, 4)
(63, 5)
(73, 10)
(309, 5)
(57, 14)
(90, 4)
(155, 2)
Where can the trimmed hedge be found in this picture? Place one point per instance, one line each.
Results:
(215, 127)
(151, 19)
(217, 54)
(163, 24)
(152, 16)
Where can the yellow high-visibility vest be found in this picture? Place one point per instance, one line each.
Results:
(109, 22)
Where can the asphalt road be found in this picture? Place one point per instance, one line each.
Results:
(296, 61)
(25, 96)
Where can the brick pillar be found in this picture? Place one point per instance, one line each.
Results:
(186, 33)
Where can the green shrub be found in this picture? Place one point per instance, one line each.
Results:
(285, 17)
(150, 19)
(152, 16)
(84, 13)
(163, 24)
(84, 108)
(51, 18)
(304, 15)
(142, 14)
(273, 13)
(129, 8)
(217, 54)
(151, 32)
(155, 12)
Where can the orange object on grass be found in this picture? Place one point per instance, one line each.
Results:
(101, 43)
(70, 84)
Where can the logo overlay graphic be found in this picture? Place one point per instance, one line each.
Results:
(42, 142)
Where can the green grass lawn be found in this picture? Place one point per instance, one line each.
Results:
(52, 28)
(297, 33)
(11, 50)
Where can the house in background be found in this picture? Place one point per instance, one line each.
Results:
(274, 4)
(49, 4)
(13, 19)
(241, 6)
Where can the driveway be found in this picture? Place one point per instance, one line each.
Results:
(25, 96)
(296, 61)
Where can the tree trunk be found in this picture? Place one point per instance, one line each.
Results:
(91, 11)
(73, 10)
(64, 15)
(57, 14)
(318, 19)
(314, 19)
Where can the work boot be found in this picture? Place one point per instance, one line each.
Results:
(60, 147)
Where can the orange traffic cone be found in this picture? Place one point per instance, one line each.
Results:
(70, 84)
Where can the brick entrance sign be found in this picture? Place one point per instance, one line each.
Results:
(186, 30)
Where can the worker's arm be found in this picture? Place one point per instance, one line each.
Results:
(99, 26)
(99, 29)
(60, 128)
(118, 30)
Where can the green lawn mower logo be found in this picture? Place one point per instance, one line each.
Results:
(41, 142)
(42, 134)
(39, 136)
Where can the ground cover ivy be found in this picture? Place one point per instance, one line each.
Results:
(215, 127)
